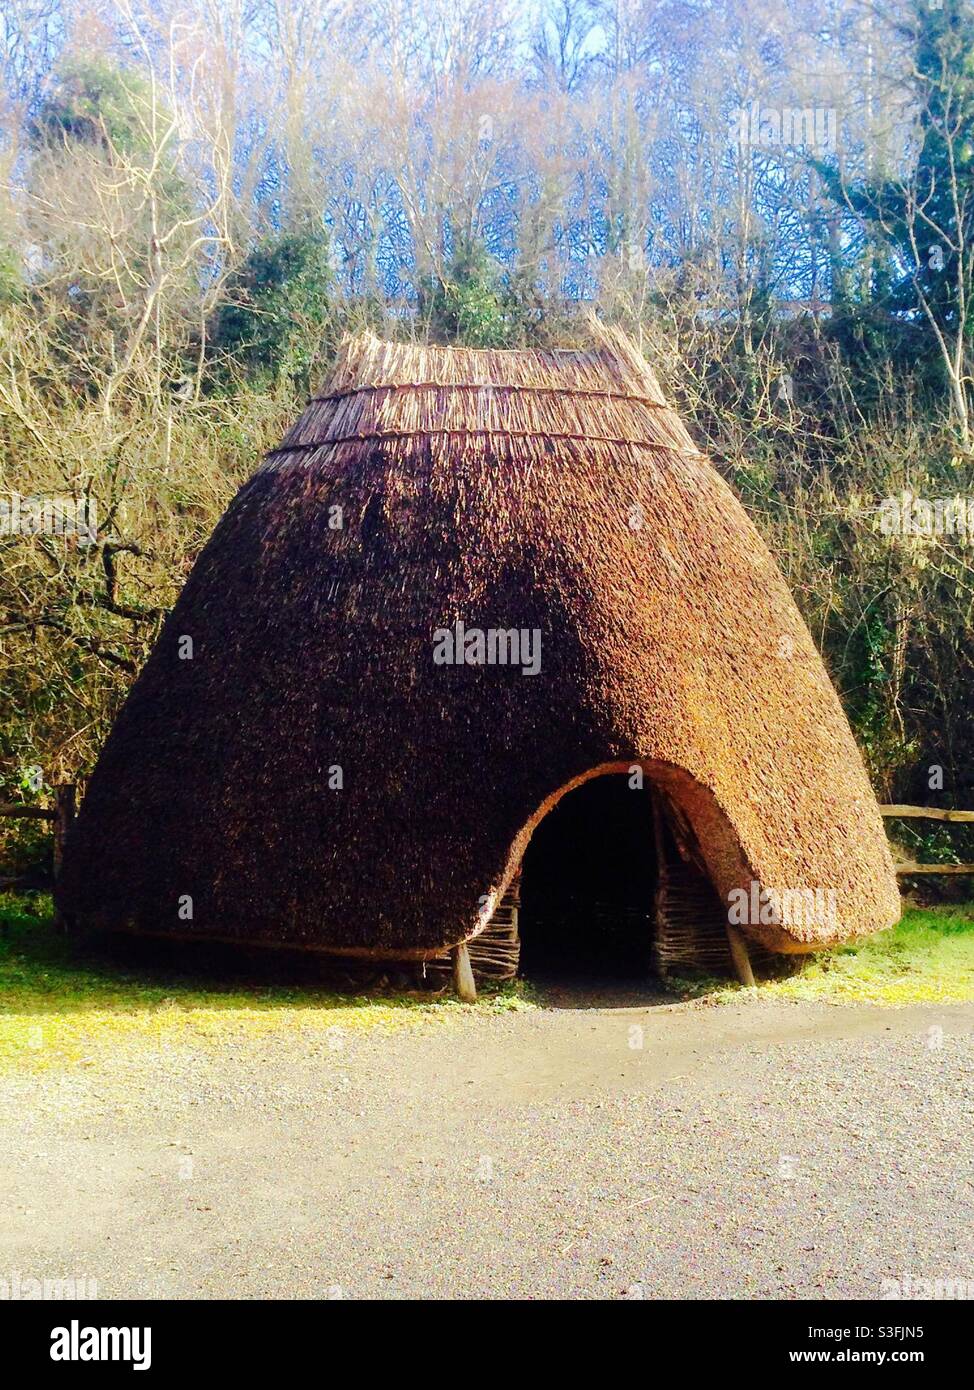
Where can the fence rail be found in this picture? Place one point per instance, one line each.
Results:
(929, 812)
(14, 811)
(907, 870)
(60, 816)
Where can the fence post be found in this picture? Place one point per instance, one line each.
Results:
(63, 816)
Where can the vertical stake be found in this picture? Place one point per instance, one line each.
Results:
(463, 981)
(742, 962)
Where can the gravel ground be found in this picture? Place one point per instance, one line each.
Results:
(753, 1150)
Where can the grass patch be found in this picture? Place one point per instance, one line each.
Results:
(928, 958)
(61, 1003)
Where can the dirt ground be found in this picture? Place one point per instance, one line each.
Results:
(601, 1147)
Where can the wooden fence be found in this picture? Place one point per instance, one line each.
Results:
(929, 813)
(60, 816)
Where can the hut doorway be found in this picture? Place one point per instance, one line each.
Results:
(588, 881)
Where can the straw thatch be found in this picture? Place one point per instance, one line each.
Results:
(530, 490)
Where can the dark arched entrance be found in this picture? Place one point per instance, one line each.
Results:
(588, 881)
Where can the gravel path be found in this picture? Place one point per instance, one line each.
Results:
(761, 1150)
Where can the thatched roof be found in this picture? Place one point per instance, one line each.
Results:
(530, 490)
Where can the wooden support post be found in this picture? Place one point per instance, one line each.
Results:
(659, 923)
(742, 963)
(463, 981)
(63, 817)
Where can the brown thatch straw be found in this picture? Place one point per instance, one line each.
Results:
(531, 490)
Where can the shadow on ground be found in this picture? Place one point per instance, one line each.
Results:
(43, 971)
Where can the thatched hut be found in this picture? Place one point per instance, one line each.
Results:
(466, 584)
